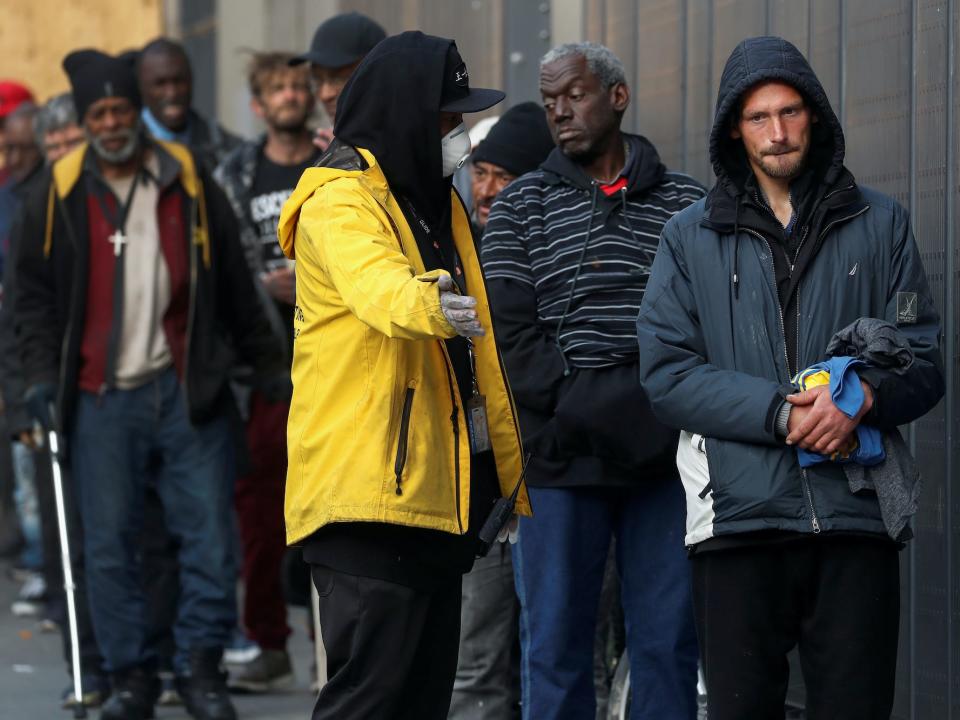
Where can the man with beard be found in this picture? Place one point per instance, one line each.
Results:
(128, 311)
(338, 46)
(401, 431)
(258, 177)
(567, 253)
(516, 144)
(56, 131)
(166, 85)
(749, 288)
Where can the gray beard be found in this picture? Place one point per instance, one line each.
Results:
(124, 154)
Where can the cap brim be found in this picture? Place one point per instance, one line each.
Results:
(478, 99)
(330, 60)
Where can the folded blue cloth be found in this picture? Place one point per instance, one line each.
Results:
(848, 396)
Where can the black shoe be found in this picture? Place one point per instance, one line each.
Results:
(204, 690)
(134, 693)
(95, 689)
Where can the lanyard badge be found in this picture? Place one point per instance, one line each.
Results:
(477, 411)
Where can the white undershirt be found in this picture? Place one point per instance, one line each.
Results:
(143, 349)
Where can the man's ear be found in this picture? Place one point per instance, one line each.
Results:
(620, 97)
(735, 132)
(256, 107)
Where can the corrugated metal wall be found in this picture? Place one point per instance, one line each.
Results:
(890, 69)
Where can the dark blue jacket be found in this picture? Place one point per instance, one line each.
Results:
(726, 321)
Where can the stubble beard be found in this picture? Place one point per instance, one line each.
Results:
(781, 171)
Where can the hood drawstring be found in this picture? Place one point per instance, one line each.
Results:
(623, 205)
(736, 249)
(576, 275)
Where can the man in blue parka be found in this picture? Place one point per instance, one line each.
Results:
(748, 288)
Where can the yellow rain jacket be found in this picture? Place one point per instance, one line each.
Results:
(377, 429)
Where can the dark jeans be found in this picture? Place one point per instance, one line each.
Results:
(486, 684)
(161, 579)
(391, 650)
(836, 599)
(119, 440)
(559, 563)
(262, 531)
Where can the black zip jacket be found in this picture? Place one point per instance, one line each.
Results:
(11, 373)
(726, 321)
(225, 317)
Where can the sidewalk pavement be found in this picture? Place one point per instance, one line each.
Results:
(33, 674)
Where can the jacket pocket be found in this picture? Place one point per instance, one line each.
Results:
(605, 413)
(403, 439)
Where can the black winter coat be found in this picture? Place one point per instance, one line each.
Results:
(225, 317)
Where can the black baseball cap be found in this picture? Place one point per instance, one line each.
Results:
(342, 40)
(457, 95)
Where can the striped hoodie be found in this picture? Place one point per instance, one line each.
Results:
(566, 267)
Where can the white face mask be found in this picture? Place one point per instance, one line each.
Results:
(455, 149)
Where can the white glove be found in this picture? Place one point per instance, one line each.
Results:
(510, 530)
(459, 309)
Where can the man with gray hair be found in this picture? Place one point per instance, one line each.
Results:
(56, 127)
(567, 253)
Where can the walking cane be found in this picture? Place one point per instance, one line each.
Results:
(53, 442)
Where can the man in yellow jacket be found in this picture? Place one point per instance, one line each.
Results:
(402, 433)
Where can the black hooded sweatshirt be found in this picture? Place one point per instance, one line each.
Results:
(825, 193)
(566, 269)
(391, 107)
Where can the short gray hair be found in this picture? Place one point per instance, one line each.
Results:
(600, 59)
(57, 113)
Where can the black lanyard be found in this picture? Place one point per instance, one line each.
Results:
(116, 216)
(456, 271)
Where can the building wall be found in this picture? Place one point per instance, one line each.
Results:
(36, 35)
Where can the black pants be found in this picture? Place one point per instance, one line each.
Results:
(837, 600)
(391, 650)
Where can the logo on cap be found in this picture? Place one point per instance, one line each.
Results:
(461, 76)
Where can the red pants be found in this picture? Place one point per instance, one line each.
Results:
(259, 498)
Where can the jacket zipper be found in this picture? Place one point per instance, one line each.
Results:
(814, 520)
(773, 270)
(401, 460)
(805, 481)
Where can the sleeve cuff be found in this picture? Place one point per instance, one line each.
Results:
(781, 426)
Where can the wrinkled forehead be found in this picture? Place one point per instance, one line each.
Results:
(559, 75)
